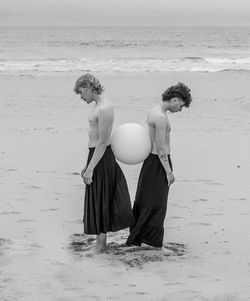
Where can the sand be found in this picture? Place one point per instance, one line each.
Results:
(43, 253)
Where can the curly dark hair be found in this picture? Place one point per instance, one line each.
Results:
(88, 81)
(181, 91)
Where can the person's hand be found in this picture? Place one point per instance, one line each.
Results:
(87, 176)
(170, 178)
(83, 171)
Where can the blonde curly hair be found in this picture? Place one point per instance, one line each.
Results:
(88, 81)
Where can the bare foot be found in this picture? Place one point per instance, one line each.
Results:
(166, 252)
(95, 250)
(99, 249)
(163, 250)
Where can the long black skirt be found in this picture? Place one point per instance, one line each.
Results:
(150, 204)
(107, 205)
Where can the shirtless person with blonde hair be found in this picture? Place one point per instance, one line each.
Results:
(107, 205)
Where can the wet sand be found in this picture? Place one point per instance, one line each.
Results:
(43, 253)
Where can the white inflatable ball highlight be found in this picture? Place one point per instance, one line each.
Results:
(131, 143)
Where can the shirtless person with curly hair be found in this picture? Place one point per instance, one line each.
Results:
(156, 174)
(107, 205)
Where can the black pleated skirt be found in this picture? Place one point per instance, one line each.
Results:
(107, 205)
(150, 204)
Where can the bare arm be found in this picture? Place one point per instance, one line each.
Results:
(105, 121)
(160, 140)
(161, 133)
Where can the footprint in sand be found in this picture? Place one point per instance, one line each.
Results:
(57, 263)
(217, 209)
(177, 248)
(33, 187)
(23, 200)
(204, 180)
(188, 181)
(141, 293)
(213, 214)
(20, 247)
(10, 212)
(81, 243)
(49, 209)
(73, 173)
(26, 220)
(4, 244)
(190, 291)
(117, 250)
(11, 169)
(136, 257)
(200, 224)
(208, 182)
(200, 200)
(238, 199)
(174, 283)
(214, 183)
(74, 221)
(46, 171)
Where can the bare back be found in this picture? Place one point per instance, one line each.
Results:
(100, 124)
(159, 130)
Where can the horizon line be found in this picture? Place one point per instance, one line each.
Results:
(124, 25)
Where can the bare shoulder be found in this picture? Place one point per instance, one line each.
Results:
(161, 122)
(106, 111)
(156, 118)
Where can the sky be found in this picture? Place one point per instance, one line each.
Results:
(124, 12)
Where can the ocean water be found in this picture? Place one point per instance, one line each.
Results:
(49, 50)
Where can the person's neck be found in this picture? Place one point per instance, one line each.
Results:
(98, 99)
(164, 105)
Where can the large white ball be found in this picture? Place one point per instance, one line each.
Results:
(131, 143)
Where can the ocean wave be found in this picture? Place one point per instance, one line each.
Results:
(114, 44)
(148, 64)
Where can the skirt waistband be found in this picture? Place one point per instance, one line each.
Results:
(92, 148)
(158, 155)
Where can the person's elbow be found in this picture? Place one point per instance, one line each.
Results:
(103, 143)
(161, 152)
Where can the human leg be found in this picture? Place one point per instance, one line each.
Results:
(101, 241)
(150, 204)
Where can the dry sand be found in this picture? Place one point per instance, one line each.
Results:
(43, 147)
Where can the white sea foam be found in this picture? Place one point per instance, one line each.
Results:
(187, 64)
(47, 50)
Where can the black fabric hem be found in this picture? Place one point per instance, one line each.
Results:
(138, 244)
(105, 232)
